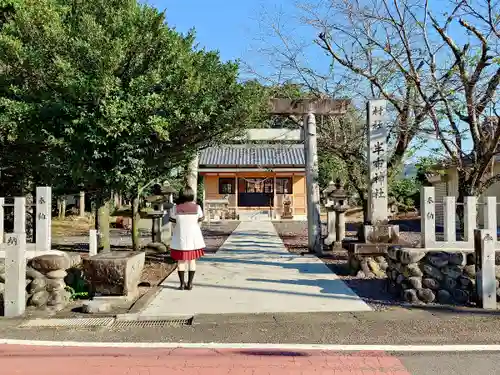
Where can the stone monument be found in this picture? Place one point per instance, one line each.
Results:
(377, 229)
(376, 235)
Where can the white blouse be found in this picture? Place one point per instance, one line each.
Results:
(186, 233)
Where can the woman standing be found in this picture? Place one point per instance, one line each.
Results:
(187, 240)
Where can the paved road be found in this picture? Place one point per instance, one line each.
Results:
(397, 326)
(26, 360)
(459, 363)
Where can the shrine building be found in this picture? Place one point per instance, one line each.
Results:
(257, 177)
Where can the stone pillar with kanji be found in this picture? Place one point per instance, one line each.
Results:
(377, 161)
(377, 229)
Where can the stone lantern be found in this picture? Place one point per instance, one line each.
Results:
(161, 201)
(335, 199)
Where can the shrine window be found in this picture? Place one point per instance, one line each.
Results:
(259, 185)
(227, 186)
(284, 185)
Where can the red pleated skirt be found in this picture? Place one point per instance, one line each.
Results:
(186, 254)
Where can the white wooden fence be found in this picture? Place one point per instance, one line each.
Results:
(449, 204)
(43, 220)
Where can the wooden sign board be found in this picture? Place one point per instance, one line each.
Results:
(333, 107)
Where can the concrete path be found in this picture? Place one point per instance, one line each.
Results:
(254, 273)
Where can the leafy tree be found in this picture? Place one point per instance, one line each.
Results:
(405, 192)
(440, 61)
(114, 95)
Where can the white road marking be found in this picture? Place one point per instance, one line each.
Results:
(291, 347)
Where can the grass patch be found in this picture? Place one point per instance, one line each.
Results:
(76, 226)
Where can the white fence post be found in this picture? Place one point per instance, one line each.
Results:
(43, 218)
(92, 242)
(449, 220)
(470, 219)
(428, 216)
(490, 215)
(19, 215)
(15, 263)
(484, 247)
(428, 221)
(2, 219)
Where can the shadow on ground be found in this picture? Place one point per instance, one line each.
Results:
(306, 268)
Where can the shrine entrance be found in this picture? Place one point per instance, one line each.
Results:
(255, 192)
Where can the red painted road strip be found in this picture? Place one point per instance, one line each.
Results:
(29, 360)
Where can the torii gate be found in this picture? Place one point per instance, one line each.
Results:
(308, 108)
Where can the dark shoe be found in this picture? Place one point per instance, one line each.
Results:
(182, 286)
(190, 280)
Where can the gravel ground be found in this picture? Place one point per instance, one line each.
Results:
(215, 234)
(372, 291)
(157, 266)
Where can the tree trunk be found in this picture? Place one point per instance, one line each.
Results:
(136, 217)
(59, 207)
(102, 224)
(364, 204)
(62, 214)
(191, 177)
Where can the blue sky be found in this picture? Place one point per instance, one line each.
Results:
(222, 25)
(237, 29)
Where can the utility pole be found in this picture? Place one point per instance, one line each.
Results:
(308, 109)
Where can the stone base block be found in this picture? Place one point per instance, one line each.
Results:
(381, 233)
(116, 273)
(367, 260)
(368, 249)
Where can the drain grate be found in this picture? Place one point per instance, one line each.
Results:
(72, 323)
(160, 323)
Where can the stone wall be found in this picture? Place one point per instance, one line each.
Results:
(368, 266)
(46, 277)
(425, 277)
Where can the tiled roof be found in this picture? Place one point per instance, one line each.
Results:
(253, 155)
